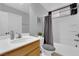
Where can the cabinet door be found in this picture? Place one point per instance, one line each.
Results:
(35, 52)
(3, 22)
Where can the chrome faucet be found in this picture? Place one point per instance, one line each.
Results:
(12, 35)
(19, 35)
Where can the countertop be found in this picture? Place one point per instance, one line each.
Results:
(8, 44)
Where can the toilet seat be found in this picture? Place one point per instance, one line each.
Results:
(45, 52)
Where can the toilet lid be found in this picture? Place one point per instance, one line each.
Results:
(48, 47)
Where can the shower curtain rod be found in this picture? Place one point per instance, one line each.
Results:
(59, 8)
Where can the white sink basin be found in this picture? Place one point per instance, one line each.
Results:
(19, 40)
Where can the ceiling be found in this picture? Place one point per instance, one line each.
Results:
(53, 6)
(45, 6)
(20, 6)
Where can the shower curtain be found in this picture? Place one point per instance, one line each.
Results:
(48, 35)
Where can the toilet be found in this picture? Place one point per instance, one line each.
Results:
(46, 49)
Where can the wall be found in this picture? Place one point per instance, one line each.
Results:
(65, 29)
(40, 24)
(55, 29)
(33, 22)
(36, 10)
(25, 23)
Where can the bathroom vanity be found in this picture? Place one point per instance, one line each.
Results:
(27, 46)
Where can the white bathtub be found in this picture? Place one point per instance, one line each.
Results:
(66, 50)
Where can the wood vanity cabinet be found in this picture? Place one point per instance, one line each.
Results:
(32, 49)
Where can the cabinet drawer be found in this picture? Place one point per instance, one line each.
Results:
(35, 52)
(24, 49)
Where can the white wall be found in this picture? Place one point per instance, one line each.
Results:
(40, 24)
(33, 22)
(65, 29)
(55, 29)
(25, 23)
(36, 10)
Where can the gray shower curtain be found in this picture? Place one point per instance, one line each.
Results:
(48, 35)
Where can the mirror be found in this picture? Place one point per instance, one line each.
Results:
(12, 19)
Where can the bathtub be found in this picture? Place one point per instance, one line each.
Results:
(63, 49)
(66, 50)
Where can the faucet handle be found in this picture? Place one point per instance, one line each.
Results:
(7, 33)
(77, 35)
(76, 40)
(76, 46)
